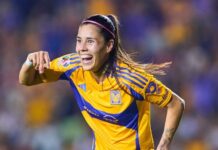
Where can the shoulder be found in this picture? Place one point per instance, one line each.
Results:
(136, 74)
(134, 80)
(66, 62)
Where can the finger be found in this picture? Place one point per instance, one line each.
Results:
(43, 78)
(33, 59)
(41, 62)
(47, 60)
(30, 58)
(37, 60)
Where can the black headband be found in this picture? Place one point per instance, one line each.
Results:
(103, 22)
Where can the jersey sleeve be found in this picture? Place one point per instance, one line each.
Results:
(142, 86)
(157, 93)
(60, 66)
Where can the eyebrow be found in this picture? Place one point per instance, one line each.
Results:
(89, 38)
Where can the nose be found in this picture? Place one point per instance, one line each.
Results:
(81, 47)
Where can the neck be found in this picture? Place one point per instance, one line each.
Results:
(100, 74)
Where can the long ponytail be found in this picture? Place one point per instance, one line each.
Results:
(118, 53)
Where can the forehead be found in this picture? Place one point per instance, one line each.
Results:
(88, 30)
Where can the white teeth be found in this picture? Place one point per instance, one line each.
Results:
(86, 56)
(86, 59)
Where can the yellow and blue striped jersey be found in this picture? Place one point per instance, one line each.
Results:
(118, 109)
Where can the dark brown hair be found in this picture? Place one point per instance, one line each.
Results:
(109, 25)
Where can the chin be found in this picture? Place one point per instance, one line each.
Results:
(87, 68)
(91, 66)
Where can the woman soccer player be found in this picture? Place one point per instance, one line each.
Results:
(113, 92)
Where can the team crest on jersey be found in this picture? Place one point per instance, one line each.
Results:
(64, 61)
(115, 97)
(152, 88)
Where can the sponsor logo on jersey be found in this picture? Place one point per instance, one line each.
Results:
(90, 111)
(115, 97)
(64, 61)
(110, 118)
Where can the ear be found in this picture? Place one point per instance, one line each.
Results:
(110, 45)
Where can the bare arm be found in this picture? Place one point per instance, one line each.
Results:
(32, 71)
(174, 113)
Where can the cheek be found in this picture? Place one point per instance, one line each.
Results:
(102, 55)
(94, 48)
(97, 50)
(77, 48)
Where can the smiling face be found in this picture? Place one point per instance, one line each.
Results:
(92, 47)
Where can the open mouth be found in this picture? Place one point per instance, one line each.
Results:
(86, 59)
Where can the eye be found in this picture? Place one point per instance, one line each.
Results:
(90, 41)
(78, 40)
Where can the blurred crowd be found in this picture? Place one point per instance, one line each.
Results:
(46, 117)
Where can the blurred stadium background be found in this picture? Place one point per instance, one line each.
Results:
(46, 117)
